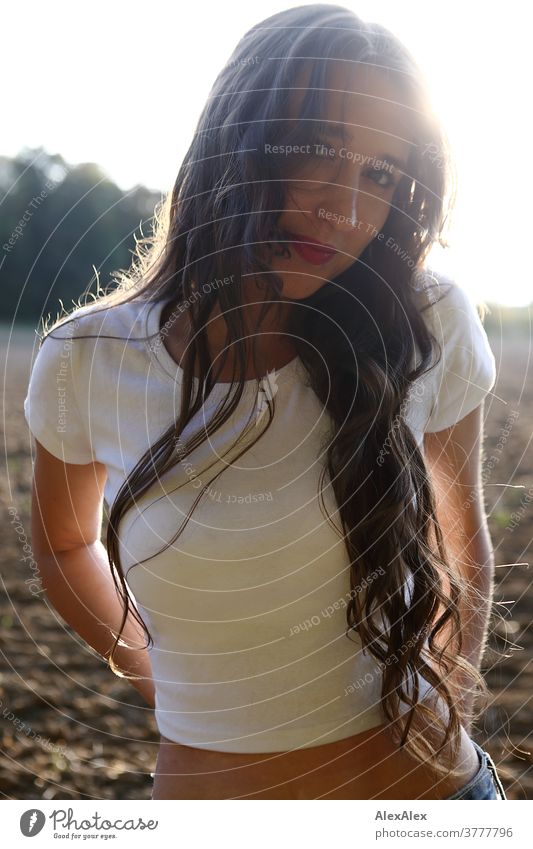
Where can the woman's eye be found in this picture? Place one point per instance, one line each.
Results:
(376, 174)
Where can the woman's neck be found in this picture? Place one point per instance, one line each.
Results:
(274, 347)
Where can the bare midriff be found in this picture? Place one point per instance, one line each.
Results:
(368, 765)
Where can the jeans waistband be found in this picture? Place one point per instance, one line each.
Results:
(489, 763)
(486, 762)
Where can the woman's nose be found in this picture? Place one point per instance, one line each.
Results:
(339, 204)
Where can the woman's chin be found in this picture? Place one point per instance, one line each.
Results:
(294, 291)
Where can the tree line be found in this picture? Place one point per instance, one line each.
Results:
(63, 230)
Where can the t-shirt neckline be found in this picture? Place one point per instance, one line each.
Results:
(161, 356)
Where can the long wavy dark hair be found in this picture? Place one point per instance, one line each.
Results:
(357, 337)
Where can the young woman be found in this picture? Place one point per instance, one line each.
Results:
(282, 407)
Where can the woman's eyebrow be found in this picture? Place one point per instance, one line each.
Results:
(400, 165)
(338, 133)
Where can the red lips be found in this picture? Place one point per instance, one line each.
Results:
(322, 245)
(315, 253)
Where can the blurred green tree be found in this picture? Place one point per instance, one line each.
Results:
(60, 227)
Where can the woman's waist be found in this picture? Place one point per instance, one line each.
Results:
(365, 765)
(189, 772)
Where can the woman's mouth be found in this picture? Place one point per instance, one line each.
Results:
(310, 250)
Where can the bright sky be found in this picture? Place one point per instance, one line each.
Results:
(122, 84)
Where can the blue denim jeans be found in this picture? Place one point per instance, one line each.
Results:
(486, 783)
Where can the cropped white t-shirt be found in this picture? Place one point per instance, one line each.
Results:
(247, 608)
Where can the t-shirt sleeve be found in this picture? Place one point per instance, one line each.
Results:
(51, 406)
(467, 370)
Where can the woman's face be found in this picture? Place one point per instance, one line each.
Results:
(345, 188)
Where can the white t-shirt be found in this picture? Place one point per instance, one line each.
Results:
(248, 607)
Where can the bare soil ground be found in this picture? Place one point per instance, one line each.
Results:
(69, 729)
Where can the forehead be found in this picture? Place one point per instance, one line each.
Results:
(367, 101)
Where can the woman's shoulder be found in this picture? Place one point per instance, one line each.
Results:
(465, 368)
(102, 318)
(92, 344)
(450, 312)
(438, 295)
(76, 374)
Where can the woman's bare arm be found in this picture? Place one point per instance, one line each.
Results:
(454, 459)
(67, 509)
